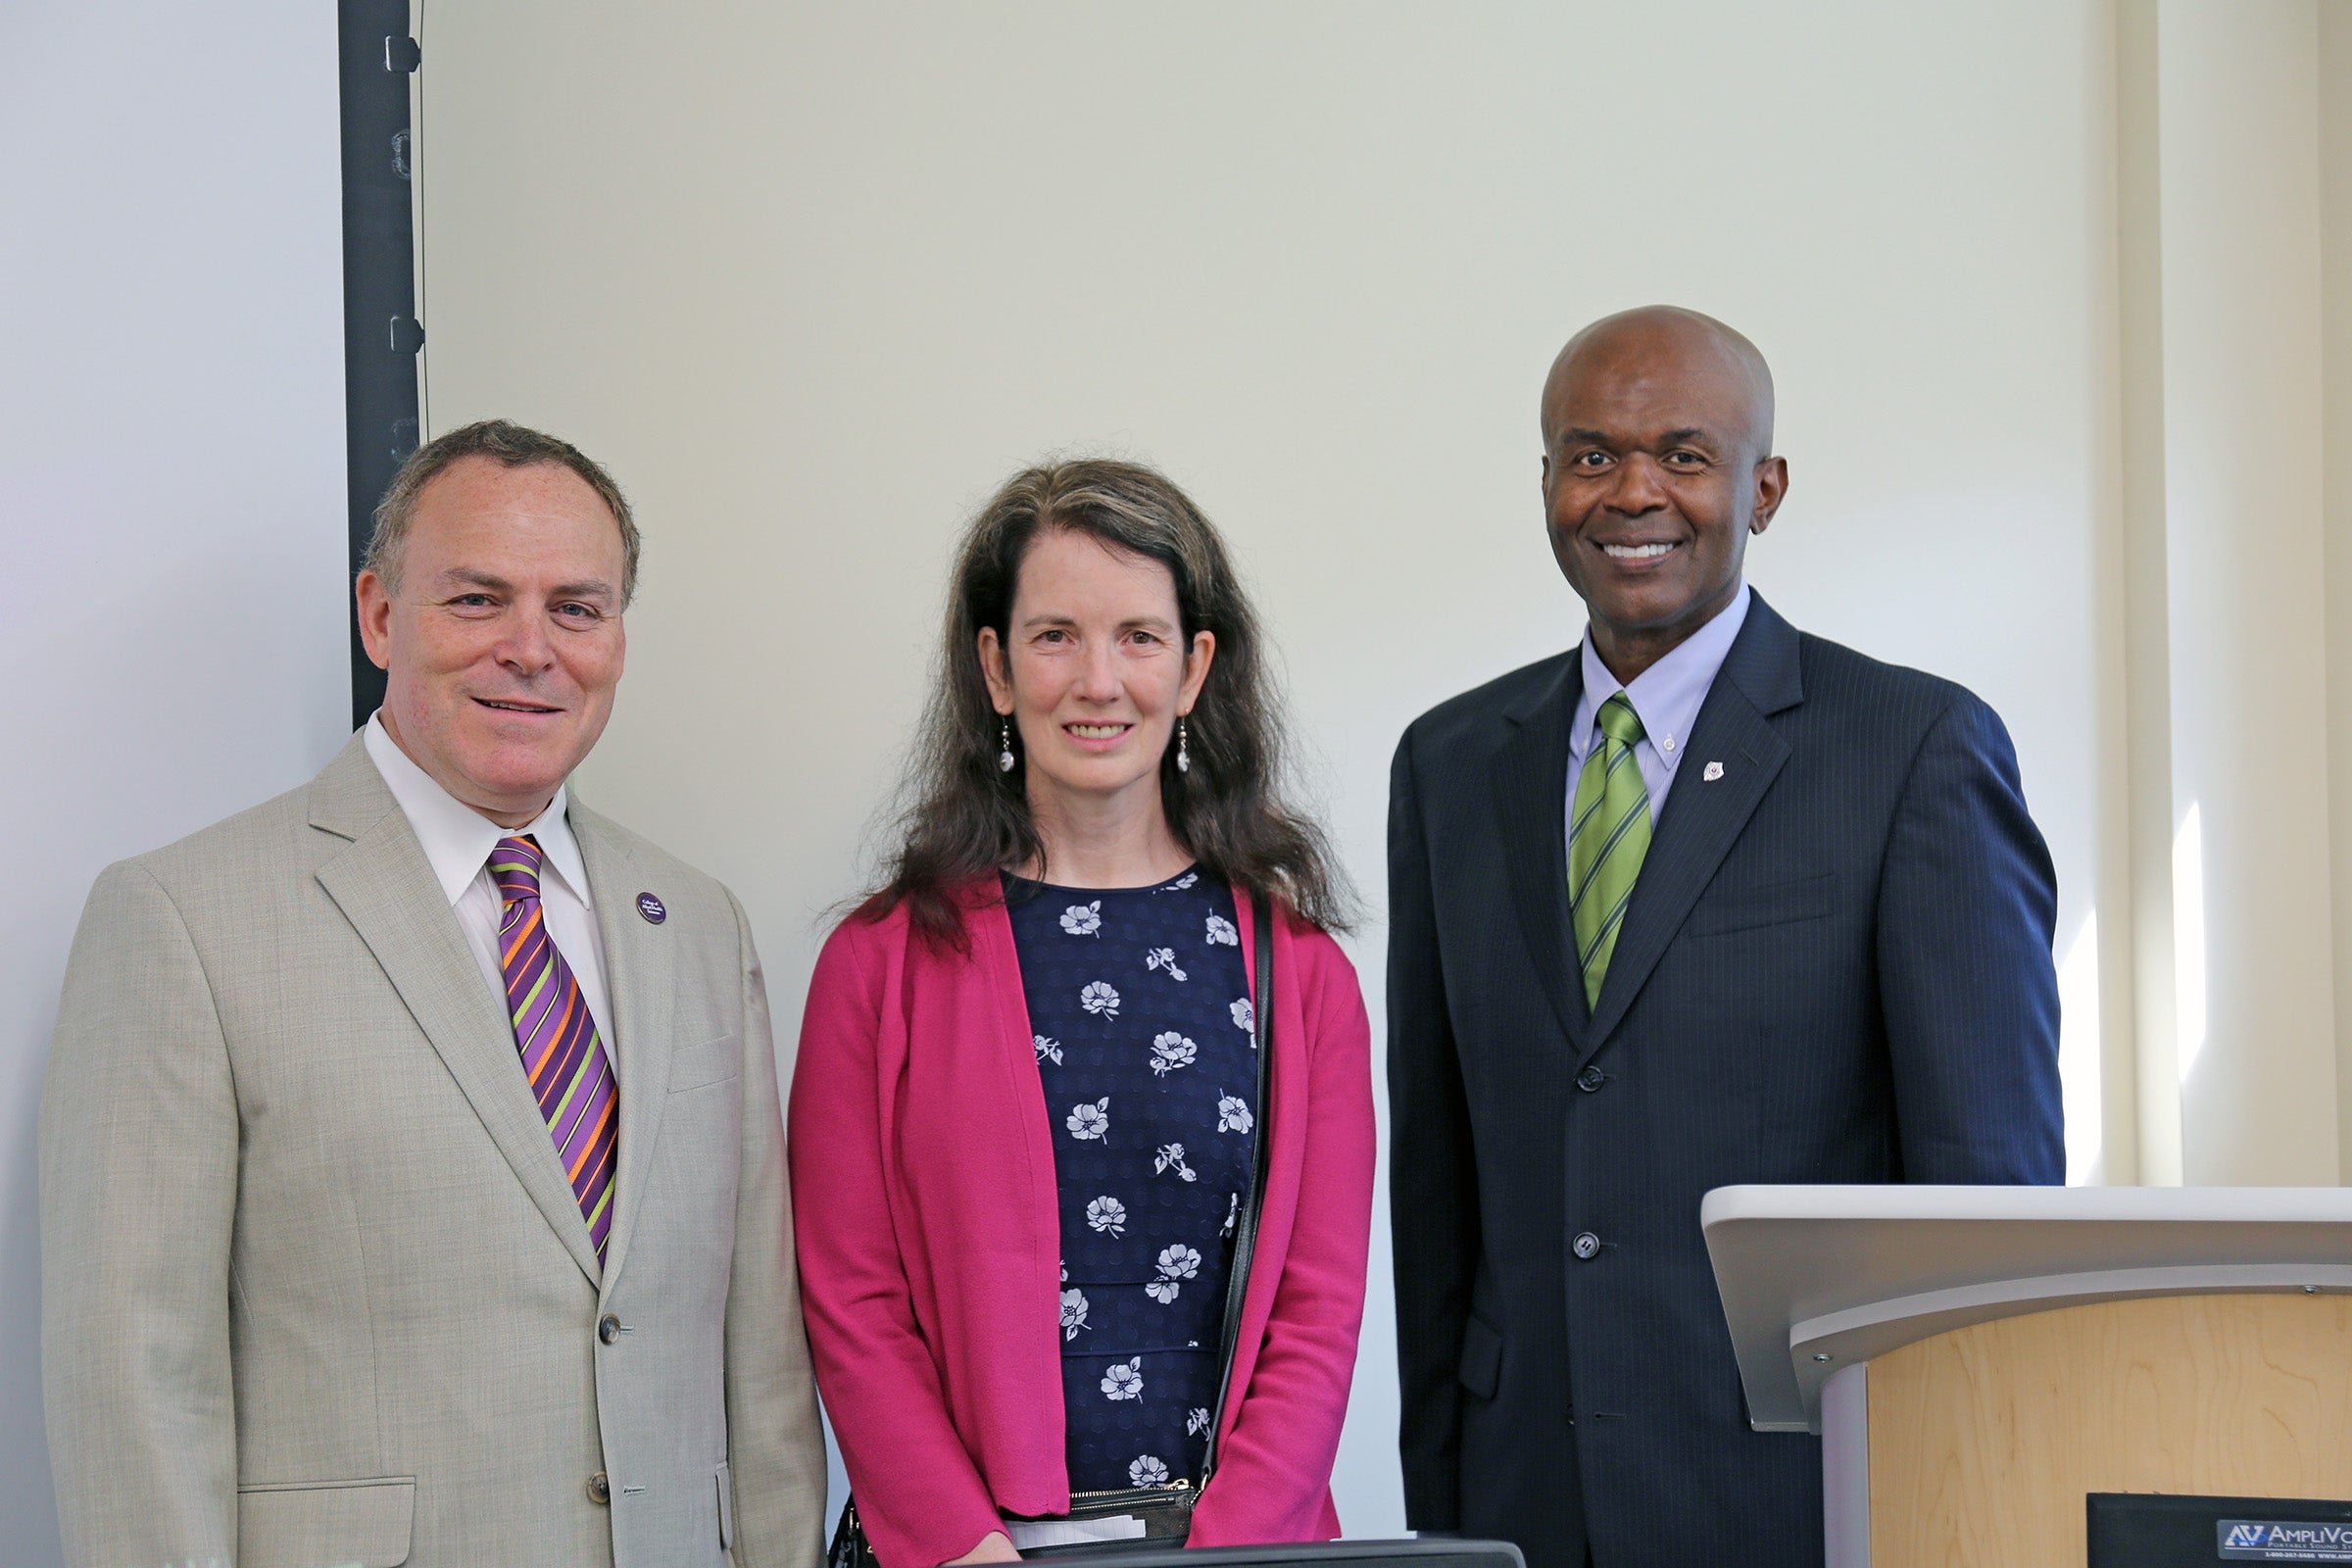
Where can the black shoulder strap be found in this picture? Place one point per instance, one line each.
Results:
(1244, 1230)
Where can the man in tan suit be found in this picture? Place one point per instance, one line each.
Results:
(411, 1177)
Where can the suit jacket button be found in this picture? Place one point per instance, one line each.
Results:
(608, 1327)
(1587, 1246)
(1591, 1079)
(599, 1489)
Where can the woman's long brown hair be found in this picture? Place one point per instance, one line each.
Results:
(966, 819)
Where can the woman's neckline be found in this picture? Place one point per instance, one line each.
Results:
(1192, 870)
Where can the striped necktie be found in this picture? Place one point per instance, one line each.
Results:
(1605, 845)
(558, 1038)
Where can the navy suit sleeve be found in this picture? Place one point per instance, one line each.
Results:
(1433, 1183)
(1967, 909)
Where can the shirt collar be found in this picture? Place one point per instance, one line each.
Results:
(1668, 695)
(458, 839)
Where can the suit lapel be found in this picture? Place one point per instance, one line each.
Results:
(1530, 776)
(1702, 818)
(385, 887)
(640, 985)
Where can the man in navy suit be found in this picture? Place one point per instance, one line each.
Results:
(1702, 901)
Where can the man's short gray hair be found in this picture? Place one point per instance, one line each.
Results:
(501, 441)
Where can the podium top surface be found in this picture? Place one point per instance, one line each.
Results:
(1814, 1279)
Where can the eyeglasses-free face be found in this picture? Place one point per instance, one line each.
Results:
(501, 642)
(1093, 671)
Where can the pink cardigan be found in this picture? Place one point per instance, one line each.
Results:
(929, 1236)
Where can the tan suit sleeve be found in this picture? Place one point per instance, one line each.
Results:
(139, 1184)
(776, 1449)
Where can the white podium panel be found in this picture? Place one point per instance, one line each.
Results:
(1814, 1279)
(1818, 1282)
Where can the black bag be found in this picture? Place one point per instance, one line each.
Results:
(1166, 1511)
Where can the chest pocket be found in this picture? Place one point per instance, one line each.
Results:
(714, 1061)
(1776, 903)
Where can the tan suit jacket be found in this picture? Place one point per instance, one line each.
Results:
(315, 1288)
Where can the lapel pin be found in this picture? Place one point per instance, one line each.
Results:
(651, 906)
(1714, 771)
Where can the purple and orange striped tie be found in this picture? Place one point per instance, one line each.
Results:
(558, 1038)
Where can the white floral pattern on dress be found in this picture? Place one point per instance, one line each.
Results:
(1177, 1262)
(1170, 1052)
(1124, 1380)
(1181, 1242)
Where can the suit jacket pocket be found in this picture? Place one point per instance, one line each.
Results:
(1778, 903)
(306, 1524)
(714, 1061)
(1481, 1371)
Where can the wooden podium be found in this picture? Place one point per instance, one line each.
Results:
(1977, 1359)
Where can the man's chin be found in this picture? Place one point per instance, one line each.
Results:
(1660, 609)
(510, 778)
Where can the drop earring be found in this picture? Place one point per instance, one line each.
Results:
(1183, 757)
(1004, 745)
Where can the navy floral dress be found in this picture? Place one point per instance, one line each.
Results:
(1140, 1005)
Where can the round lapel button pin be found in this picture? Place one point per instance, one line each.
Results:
(650, 907)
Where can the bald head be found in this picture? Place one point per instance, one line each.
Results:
(1658, 469)
(1664, 343)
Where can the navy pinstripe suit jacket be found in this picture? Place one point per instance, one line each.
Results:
(1836, 968)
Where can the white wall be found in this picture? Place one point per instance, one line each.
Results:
(171, 501)
(2235, 588)
(814, 278)
(2243, 469)
(2333, 65)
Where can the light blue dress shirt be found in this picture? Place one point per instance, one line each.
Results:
(1666, 698)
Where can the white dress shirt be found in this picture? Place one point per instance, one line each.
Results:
(458, 841)
(1666, 698)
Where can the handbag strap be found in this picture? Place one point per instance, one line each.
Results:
(1244, 1230)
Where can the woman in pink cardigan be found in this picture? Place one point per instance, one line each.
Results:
(1070, 1133)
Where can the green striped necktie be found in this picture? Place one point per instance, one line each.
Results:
(1605, 845)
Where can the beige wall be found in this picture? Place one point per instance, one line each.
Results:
(2234, 585)
(2240, 148)
(812, 279)
(2334, 67)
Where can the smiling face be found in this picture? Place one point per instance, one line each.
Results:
(502, 644)
(1094, 670)
(1656, 429)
